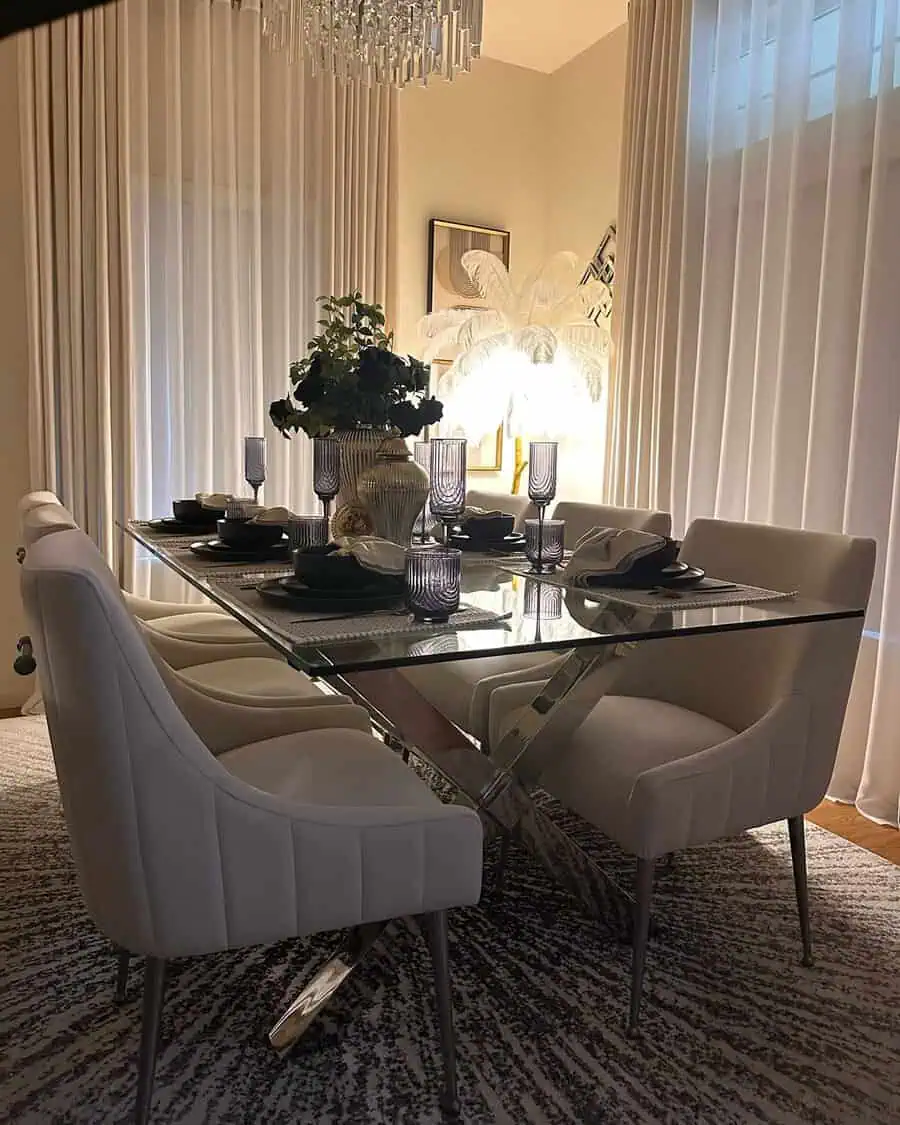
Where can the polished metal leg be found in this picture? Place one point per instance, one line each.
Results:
(315, 995)
(643, 896)
(436, 928)
(154, 987)
(123, 958)
(797, 833)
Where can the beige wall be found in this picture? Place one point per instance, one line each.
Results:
(587, 105)
(536, 154)
(13, 366)
(469, 150)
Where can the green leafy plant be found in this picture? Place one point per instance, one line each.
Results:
(351, 377)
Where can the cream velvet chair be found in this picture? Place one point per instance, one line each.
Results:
(241, 680)
(184, 635)
(461, 690)
(180, 853)
(705, 737)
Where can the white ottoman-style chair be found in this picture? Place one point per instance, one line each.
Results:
(181, 853)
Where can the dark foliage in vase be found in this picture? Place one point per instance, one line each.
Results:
(351, 377)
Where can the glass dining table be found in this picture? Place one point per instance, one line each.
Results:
(504, 614)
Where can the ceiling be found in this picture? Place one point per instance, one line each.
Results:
(545, 34)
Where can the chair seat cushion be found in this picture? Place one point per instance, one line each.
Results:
(330, 767)
(461, 689)
(624, 737)
(371, 841)
(255, 681)
(203, 627)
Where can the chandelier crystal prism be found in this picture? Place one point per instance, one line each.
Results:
(375, 42)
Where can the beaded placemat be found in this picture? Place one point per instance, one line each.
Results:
(309, 628)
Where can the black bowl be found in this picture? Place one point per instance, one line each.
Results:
(240, 533)
(327, 570)
(193, 512)
(490, 529)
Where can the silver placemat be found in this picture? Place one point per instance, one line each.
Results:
(307, 628)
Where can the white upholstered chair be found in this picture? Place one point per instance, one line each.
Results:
(705, 737)
(179, 852)
(215, 669)
(461, 689)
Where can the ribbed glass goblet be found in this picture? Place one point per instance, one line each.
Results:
(326, 470)
(255, 464)
(448, 480)
(307, 532)
(542, 457)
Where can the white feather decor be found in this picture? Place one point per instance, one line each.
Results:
(534, 351)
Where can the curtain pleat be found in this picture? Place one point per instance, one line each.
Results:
(758, 214)
(77, 214)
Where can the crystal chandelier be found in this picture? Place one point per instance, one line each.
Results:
(376, 42)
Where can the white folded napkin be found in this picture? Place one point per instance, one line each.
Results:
(213, 499)
(607, 551)
(277, 515)
(480, 514)
(376, 554)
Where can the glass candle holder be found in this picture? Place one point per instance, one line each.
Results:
(544, 544)
(326, 470)
(307, 532)
(542, 457)
(432, 582)
(543, 600)
(255, 464)
(422, 457)
(448, 479)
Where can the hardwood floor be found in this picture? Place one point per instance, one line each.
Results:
(845, 821)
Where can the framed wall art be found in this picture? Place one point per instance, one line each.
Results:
(449, 286)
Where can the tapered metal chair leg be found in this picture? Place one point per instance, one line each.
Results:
(123, 958)
(639, 937)
(154, 987)
(436, 928)
(797, 833)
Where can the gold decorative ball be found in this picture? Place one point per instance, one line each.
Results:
(351, 519)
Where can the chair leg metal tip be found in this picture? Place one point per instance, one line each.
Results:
(808, 961)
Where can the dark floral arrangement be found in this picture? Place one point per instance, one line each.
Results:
(351, 377)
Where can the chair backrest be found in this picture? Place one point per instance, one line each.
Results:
(582, 518)
(143, 797)
(737, 678)
(518, 506)
(35, 500)
(44, 519)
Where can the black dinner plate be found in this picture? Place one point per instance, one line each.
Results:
(175, 527)
(290, 591)
(509, 543)
(215, 549)
(674, 577)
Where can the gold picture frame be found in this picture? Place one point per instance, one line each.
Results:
(485, 456)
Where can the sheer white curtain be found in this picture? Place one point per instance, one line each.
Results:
(255, 189)
(188, 196)
(785, 394)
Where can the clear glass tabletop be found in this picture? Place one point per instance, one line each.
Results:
(531, 616)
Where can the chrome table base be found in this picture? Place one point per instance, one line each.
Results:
(329, 978)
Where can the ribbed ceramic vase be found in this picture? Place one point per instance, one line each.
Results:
(358, 449)
(393, 490)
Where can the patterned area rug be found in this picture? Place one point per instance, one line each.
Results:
(734, 1029)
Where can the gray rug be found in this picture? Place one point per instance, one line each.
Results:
(734, 1030)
